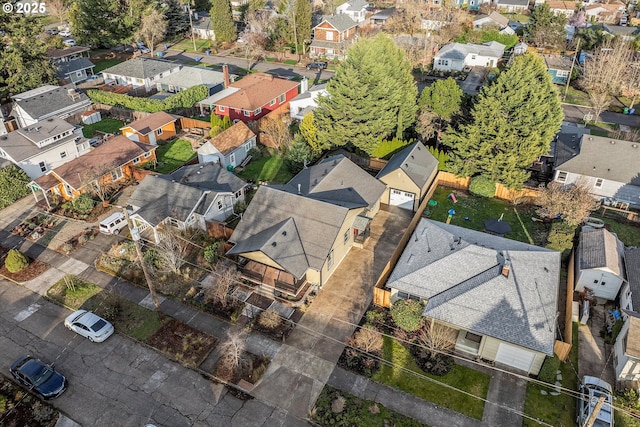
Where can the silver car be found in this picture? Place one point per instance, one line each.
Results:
(89, 325)
(592, 389)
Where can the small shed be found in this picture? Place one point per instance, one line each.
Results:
(91, 117)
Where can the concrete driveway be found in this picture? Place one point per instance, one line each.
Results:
(473, 82)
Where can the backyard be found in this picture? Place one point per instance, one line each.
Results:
(173, 155)
(270, 169)
(105, 126)
(187, 45)
(103, 64)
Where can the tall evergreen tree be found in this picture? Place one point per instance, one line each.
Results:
(176, 17)
(222, 21)
(438, 104)
(513, 122)
(101, 23)
(302, 20)
(23, 63)
(546, 29)
(371, 97)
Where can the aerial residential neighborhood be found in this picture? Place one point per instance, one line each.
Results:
(294, 213)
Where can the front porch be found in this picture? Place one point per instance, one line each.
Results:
(272, 281)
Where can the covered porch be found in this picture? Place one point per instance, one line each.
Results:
(361, 230)
(274, 282)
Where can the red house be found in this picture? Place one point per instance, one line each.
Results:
(252, 97)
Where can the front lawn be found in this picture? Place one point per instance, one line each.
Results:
(72, 291)
(574, 96)
(103, 64)
(628, 233)
(471, 212)
(105, 125)
(555, 410)
(173, 155)
(403, 373)
(187, 45)
(270, 169)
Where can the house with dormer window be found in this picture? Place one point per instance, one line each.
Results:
(48, 101)
(332, 36)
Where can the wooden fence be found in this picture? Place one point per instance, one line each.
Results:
(188, 123)
(450, 180)
(525, 195)
(120, 113)
(560, 348)
(218, 230)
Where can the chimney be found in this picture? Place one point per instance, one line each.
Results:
(304, 85)
(506, 267)
(225, 74)
(299, 186)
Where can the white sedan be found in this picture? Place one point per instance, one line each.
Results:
(89, 325)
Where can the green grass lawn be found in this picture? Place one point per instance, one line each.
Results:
(518, 17)
(173, 155)
(187, 45)
(413, 380)
(479, 209)
(72, 291)
(628, 233)
(555, 410)
(105, 125)
(269, 169)
(103, 64)
(574, 96)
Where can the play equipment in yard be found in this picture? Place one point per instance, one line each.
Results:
(453, 197)
(433, 203)
(451, 214)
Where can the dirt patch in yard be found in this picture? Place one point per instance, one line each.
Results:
(19, 408)
(190, 346)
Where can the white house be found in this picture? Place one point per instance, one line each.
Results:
(561, 7)
(610, 168)
(457, 56)
(306, 102)
(48, 101)
(139, 72)
(493, 20)
(355, 9)
(496, 296)
(230, 147)
(599, 263)
(44, 146)
(188, 198)
(202, 27)
(627, 345)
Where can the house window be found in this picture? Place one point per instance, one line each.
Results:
(219, 205)
(329, 35)
(147, 154)
(257, 111)
(330, 260)
(43, 167)
(347, 235)
(405, 295)
(562, 73)
(599, 183)
(248, 146)
(282, 98)
(220, 107)
(473, 337)
(561, 177)
(159, 131)
(78, 73)
(63, 154)
(238, 194)
(246, 113)
(272, 102)
(136, 160)
(232, 158)
(116, 174)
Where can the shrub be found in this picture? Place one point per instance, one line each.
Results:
(560, 237)
(549, 370)
(15, 261)
(255, 153)
(183, 99)
(13, 185)
(482, 186)
(385, 148)
(269, 319)
(407, 314)
(212, 253)
(83, 204)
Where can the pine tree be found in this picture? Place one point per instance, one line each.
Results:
(546, 29)
(302, 11)
(222, 21)
(371, 97)
(176, 17)
(513, 123)
(438, 104)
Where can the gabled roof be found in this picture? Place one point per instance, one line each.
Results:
(632, 269)
(116, 151)
(53, 53)
(620, 30)
(600, 248)
(150, 123)
(340, 22)
(74, 65)
(141, 68)
(611, 159)
(193, 76)
(21, 144)
(356, 5)
(229, 139)
(461, 51)
(159, 199)
(524, 3)
(49, 99)
(255, 91)
(208, 176)
(415, 160)
(458, 271)
(498, 19)
(339, 181)
(633, 337)
(557, 62)
(384, 14)
(561, 5)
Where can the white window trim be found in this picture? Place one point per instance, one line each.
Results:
(159, 131)
(598, 180)
(565, 176)
(246, 113)
(221, 107)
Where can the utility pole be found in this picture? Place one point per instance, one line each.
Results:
(596, 410)
(193, 36)
(135, 236)
(566, 89)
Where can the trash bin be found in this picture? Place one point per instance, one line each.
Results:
(230, 168)
(626, 110)
(166, 47)
(160, 54)
(433, 203)
(208, 52)
(631, 111)
(197, 59)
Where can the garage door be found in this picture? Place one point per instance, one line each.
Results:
(401, 199)
(515, 357)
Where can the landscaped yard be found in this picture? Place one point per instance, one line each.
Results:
(187, 45)
(105, 125)
(574, 96)
(629, 233)
(404, 374)
(103, 64)
(555, 410)
(173, 155)
(472, 211)
(268, 169)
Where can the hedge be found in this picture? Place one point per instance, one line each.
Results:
(184, 99)
(482, 186)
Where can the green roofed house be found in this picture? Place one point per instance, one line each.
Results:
(498, 297)
(295, 235)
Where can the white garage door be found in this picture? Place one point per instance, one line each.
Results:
(515, 357)
(401, 199)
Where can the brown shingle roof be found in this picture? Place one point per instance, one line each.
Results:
(150, 123)
(633, 337)
(118, 150)
(232, 138)
(256, 90)
(559, 4)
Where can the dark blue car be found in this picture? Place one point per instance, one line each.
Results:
(39, 377)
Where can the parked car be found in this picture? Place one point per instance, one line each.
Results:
(144, 49)
(592, 389)
(69, 42)
(65, 33)
(39, 377)
(318, 65)
(51, 31)
(89, 325)
(94, 77)
(113, 223)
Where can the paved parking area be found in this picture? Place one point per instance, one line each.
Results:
(474, 80)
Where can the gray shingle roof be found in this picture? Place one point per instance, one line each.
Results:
(415, 160)
(632, 267)
(141, 68)
(598, 157)
(194, 76)
(339, 181)
(317, 224)
(458, 271)
(460, 51)
(45, 101)
(20, 144)
(74, 65)
(208, 176)
(356, 5)
(524, 3)
(600, 249)
(340, 22)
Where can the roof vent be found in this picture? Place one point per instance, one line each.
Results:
(50, 119)
(590, 139)
(634, 145)
(612, 142)
(274, 244)
(412, 156)
(198, 172)
(201, 166)
(284, 233)
(406, 165)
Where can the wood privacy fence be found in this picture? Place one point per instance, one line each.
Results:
(525, 195)
(563, 348)
(189, 123)
(450, 180)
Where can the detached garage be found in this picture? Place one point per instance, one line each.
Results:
(408, 176)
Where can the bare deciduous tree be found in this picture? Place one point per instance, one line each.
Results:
(232, 351)
(631, 82)
(276, 129)
(603, 73)
(269, 319)
(368, 340)
(437, 338)
(97, 180)
(153, 28)
(573, 202)
(58, 9)
(172, 249)
(219, 292)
